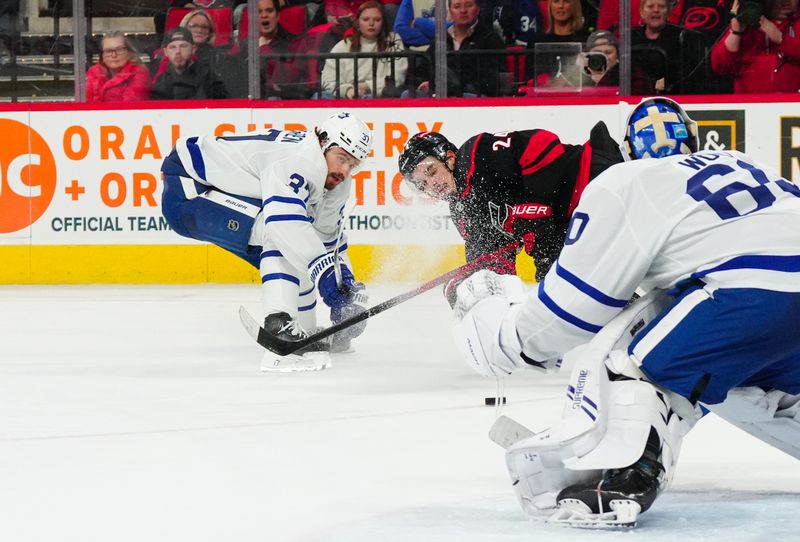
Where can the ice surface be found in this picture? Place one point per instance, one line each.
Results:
(139, 414)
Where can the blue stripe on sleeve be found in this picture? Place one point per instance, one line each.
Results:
(271, 254)
(280, 276)
(588, 289)
(789, 264)
(308, 307)
(287, 218)
(306, 292)
(315, 260)
(284, 199)
(197, 157)
(564, 315)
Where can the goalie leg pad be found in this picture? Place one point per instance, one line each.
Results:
(605, 425)
(773, 416)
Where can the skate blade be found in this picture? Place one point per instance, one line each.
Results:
(311, 361)
(623, 515)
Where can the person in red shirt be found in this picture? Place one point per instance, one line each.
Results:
(761, 51)
(118, 76)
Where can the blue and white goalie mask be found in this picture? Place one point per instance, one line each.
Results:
(659, 127)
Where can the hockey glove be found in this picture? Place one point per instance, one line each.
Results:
(341, 340)
(324, 275)
(484, 329)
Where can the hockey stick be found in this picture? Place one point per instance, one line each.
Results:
(337, 265)
(283, 347)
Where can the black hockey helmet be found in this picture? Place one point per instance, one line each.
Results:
(421, 145)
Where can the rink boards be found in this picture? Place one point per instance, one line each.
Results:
(80, 192)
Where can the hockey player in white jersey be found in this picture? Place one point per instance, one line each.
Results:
(276, 199)
(714, 236)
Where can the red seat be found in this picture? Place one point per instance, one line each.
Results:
(516, 61)
(221, 17)
(546, 14)
(292, 19)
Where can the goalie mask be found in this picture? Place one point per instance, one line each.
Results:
(659, 127)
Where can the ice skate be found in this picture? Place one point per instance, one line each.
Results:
(614, 502)
(315, 357)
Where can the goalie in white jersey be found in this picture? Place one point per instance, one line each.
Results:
(714, 237)
(276, 199)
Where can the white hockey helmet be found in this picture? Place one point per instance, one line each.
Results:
(348, 132)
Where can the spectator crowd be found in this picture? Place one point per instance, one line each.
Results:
(360, 49)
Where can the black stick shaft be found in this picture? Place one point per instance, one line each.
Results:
(379, 308)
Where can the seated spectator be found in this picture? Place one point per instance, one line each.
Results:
(665, 58)
(517, 21)
(369, 35)
(761, 52)
(281, 77)
(183, 78)
(201, 25)
(469, 75)
(415, 24)
(601, 71)
(119, 75)
(565, 23)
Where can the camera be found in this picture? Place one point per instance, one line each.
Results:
(596, 61)
(750, 11)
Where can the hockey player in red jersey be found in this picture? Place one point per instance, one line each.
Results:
(509, 186)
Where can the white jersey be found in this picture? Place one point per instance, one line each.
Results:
(718, 217)
(286, 170)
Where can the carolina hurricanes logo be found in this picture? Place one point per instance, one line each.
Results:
(701, 18)
(503, 218)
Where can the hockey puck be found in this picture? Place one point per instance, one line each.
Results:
(492, 401)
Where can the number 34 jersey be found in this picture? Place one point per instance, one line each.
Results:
(716, 217)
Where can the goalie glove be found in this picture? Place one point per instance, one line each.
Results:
(501, 263)
(484, 329)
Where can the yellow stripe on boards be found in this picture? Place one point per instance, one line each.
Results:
(191, 264)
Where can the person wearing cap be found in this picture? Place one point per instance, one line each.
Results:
(276, 199)
(517, 186)
(183, 78)
(601, 61)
